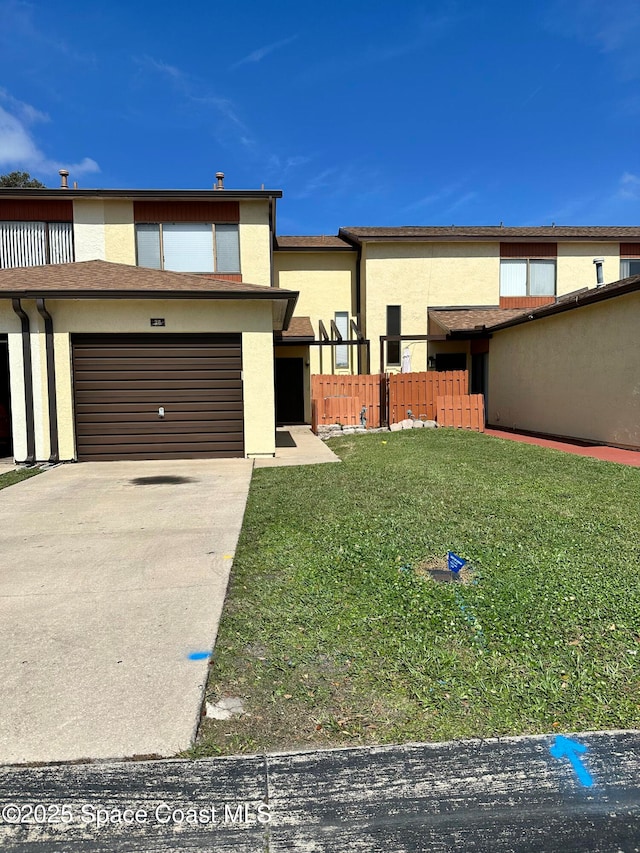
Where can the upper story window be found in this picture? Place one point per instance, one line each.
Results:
(528, 269)
(196, 247)
(32, 244)
(629, 259)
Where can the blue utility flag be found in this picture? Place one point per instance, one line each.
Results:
(454, 562)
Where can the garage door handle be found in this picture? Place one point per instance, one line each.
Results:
(161, 412)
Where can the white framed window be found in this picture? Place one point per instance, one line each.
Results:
(32, 244)
(342, 350)
(196, 247)
(629, 266)
(527, 277)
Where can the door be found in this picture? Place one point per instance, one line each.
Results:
(158, 396)
(289, 391)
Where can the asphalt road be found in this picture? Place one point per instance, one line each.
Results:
(515, 794)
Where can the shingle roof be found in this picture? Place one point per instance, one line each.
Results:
(105, 277)
(570, 301)
(495, 232)
(312, 241)
(468, 319)
(299, 327)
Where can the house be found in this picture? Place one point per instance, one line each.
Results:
(187, 263)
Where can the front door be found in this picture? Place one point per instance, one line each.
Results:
(289, 391)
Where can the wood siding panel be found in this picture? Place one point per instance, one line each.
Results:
(630, 250)
(528, 250)
(18, 210)
(186, 211)
(120, 381)
(526, 301)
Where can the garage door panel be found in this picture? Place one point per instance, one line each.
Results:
(120, 382)
(123, 411)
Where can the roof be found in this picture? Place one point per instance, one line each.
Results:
(579, 299)
(300, 328)
(544, 233)
(104, 280)
(312, 243)
(469, 319)
(210, 195)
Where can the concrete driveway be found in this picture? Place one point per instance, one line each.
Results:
(112, 575)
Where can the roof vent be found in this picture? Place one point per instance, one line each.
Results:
(64, 182)
(220, 181)
(599, 262)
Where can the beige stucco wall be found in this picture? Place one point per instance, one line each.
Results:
(89, 230)
(575, 267)
(255, 248)
(326, 283)
(575, 374)
(119, 232)
(252, 319)
(417, 276)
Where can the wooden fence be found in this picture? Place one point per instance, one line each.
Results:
(434, 395)
(464, 412)
(418, 392)
(368, 389)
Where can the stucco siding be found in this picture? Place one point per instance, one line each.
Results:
(255, 250)
(326, 283)
(575, 267)
(575, 374)
(119, 232)
(417, 276)
(89, 230)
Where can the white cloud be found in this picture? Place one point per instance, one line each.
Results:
(629, 186)
(19, 150)
(261, 52)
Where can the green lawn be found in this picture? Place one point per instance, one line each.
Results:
(333, 635)
(16, 476)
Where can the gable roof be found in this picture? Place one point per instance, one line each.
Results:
(544, 233)
(312, 242)
(104, 280)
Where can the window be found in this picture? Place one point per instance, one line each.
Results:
(527, 277)
(451, 361)
(393, 328)
(342, 351)
(32, 244)
(629, 266)
(198, 247)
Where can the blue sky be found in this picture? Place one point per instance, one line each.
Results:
(363, 113)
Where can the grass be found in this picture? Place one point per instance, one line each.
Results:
(12, 477)
(333, 636)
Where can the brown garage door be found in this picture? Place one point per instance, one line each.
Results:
(158, 396)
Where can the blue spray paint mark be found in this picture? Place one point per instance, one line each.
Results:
(199, 655)
(565, 747)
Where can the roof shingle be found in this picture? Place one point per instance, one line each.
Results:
(495, 232)
(312, 241)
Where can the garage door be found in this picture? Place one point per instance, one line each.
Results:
(158, 396)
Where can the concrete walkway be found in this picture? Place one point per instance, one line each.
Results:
(595, 451)
(507, 795)
(297, 445)
(111, 576)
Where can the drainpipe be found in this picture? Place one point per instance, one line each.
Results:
(54, 455)
(272, 238)
(28, 381)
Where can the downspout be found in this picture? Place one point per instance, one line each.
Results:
(359, 307)
(54, 455)
(272, 238)
(28, 381)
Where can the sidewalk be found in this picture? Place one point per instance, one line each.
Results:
(603, 452)
(297, 445)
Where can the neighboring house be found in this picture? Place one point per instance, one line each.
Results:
(369, 300)
(570, 369)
